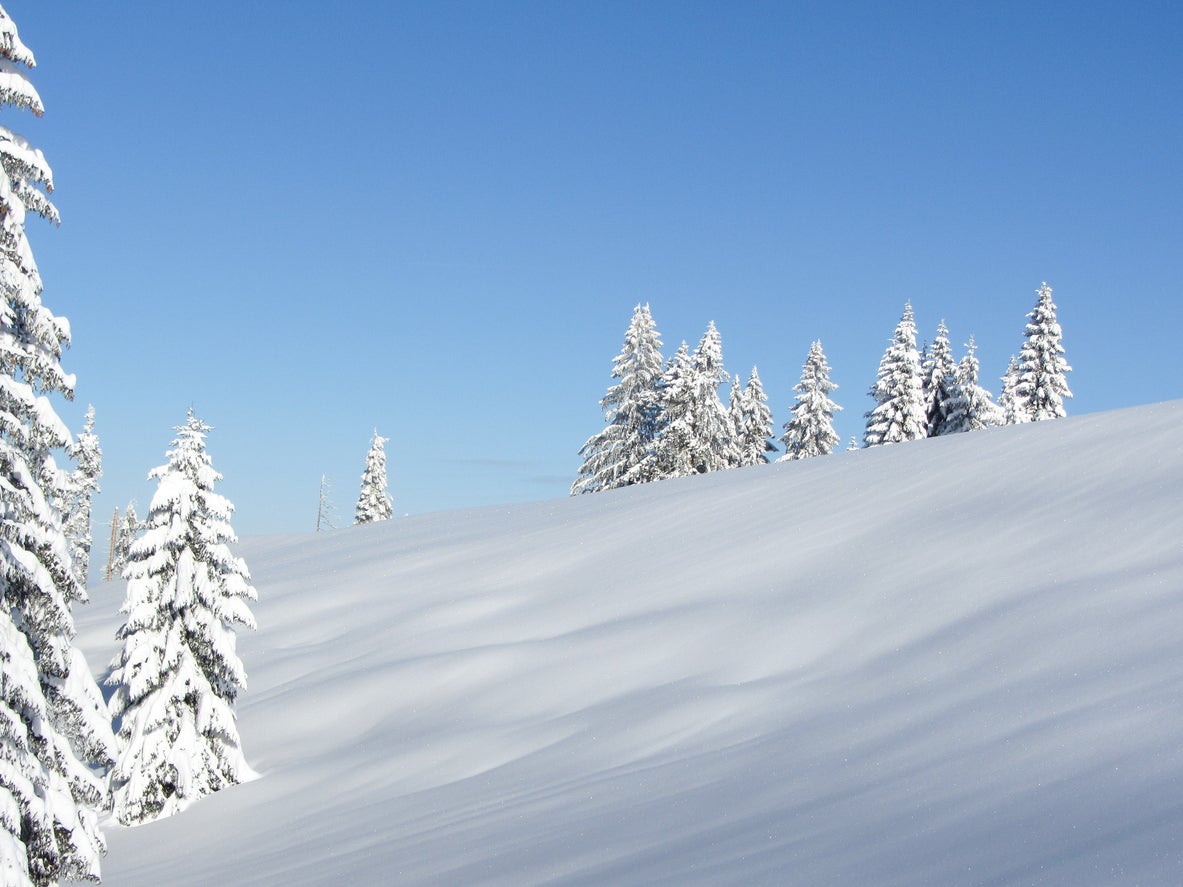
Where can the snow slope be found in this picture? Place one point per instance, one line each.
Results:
(956, 661)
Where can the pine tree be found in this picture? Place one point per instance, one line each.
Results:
(52, 746)
(125, 536)
(669, 455)
(1008, 406)
(83, 484)
(811, 430)
(754, 429)
(373, 503)
(970, 407)
(899, 414)
(613, 457)
(939, 372)
(1042, 384)
(179, 675)
(711, 443)
(736, 421)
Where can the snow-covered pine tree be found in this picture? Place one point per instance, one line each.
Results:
(125, 535)
(810, 432)
(1042, 384)
(179, 674)
(373, 503)
(899, 414)
(83, 484)
(51, 743)
(939, 379)
(669, 456)
(1008, 407)
(613, 457)
(711, 444)
(755, 427)
(735, 420)
(970, 406)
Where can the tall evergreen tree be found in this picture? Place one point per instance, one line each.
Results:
(83, 484)
(754, 430)
(710, 438)
(899, 414)
(970, 407)
(1042, 382)
(669, 455)
(51, 743)
(810, 432)
(736, 420)
(613, 457)
(939, 379)
(179, 674)
(373, 503)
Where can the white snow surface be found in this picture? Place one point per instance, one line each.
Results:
(953, 661)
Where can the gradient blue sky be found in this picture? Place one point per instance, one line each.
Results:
(307, 220)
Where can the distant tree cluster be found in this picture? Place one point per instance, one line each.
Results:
(921, 394)
(666, 419)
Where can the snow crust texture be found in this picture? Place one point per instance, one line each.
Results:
(952, 662)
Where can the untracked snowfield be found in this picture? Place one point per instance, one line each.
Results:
(956, 661)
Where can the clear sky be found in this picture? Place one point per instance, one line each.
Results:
(307, 220)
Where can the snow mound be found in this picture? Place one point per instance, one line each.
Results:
(955, 661)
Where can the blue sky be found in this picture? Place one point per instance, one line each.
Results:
(308, 220)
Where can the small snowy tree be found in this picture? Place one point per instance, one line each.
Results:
(810, 432)
(373, 503)
(970, 407)
(754, 429)
(1008, 407)
(939, 372)
(1042, 383)
(52, 745)
(125, 535)
(178, 675)
(83, 484)
(899, 414)
(613, 457)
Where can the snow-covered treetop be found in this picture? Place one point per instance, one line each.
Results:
(15, 88)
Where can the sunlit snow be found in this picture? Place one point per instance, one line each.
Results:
(954, 661)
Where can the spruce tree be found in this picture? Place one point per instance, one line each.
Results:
(83, 484)
(179, 674)
(939, 372)
(1042, 384)
(669, 455)
(125, 535)
(736, 421)
(754, 431)
(899, 414)
(614, 456)
(810, 432)
(373, 503)
(53, 743)
(711, 443)
(970, 407)
(1008, 405)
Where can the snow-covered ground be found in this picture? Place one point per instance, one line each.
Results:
(957, 661)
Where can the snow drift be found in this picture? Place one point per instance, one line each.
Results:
(956, 661)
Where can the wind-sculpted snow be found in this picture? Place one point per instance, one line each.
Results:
(953, 661)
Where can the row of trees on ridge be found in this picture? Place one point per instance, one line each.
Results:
(666, 419)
